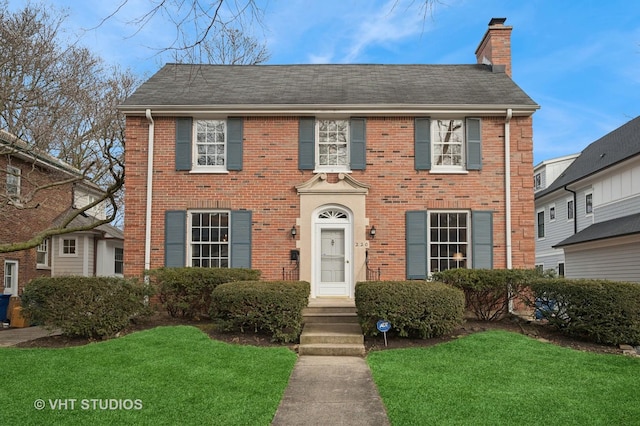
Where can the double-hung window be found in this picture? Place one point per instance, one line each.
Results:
(537, 181)
(588, 204)
(13, 182)
(447, 143)
(210, 145)
(333, 145)
(448, 240)
(118, 265)
(209, 244)
(42, 254)
(570, 209)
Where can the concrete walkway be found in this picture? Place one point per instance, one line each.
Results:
(13, 336)
(331, 390)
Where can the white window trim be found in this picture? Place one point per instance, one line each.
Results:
(189, 260)
(61, 245)
(571, 219)
(537, 181)
(47, 243)
(332, 168)
(118, 274)
(13, 290)
(587, 194)
(538, 237)
(468, 260)
(555, 213)
(194, 148)
(449, 169)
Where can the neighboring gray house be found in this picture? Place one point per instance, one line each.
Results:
(554, 230)
(588, 219)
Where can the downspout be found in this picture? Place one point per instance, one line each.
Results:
(507, 183)
(575, 208)
(147, 232)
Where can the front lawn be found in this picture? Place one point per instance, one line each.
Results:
(502, 378)
(166, 375)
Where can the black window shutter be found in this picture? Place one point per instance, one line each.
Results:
(234, 143)
(184, 129)
(307, 143)
(482, 239)
(358, 148)
(175, 224)
(474, 144)
(416, 238)
(241, 239)
(422, 143)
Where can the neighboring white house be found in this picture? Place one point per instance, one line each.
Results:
(588, 219)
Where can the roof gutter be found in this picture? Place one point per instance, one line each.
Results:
(147, 236)
(311, 109)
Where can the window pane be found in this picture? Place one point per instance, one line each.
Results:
(209, 248)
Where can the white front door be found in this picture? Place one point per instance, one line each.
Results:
(333, 260)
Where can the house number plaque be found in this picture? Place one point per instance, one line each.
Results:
(362, 244)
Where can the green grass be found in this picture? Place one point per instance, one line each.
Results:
(178, 374)
(502, 378)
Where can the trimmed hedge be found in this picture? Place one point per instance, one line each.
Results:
(273, 307)
(488, 291)
(603, 311)
(420, 308)
(186, 292)
(85, 306)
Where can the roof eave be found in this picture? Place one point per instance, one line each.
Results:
(304, 109)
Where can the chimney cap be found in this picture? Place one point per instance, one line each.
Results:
(497, 21)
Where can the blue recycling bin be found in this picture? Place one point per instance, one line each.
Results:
(4, 305)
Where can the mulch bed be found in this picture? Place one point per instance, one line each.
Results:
(515, 324)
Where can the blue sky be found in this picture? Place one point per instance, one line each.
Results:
(579, 60)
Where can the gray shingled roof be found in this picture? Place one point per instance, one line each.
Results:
(209, 85)
(85, 220)
(627, 225)
(617, 146)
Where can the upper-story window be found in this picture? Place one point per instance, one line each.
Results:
(448, 144)
(540, 223)
(537, 181)
(570, 209)
(13, 181)
(588, 203)
(333, 145)
(210, 147)
(552, 212)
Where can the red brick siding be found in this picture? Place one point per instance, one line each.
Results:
(266, 186)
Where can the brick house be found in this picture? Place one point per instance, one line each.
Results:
(25, 212)
(332, 171)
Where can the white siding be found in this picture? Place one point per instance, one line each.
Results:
(73, 265)
(105, 257)
(617, 262)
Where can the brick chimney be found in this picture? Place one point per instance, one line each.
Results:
(495, 47)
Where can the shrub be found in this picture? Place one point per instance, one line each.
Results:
(186, 292)
(488, 291)
(273, 307)
(603, 311)
(425, 309)
(85, 306)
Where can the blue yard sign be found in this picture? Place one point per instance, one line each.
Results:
(384, 326)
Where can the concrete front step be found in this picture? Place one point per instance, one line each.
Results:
(342, 318)
(340, 333)
(332, 349)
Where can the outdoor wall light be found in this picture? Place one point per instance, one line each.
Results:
(372, 232)
(293, 232)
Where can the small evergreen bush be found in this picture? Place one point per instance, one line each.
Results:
(488, 291)
(420, 308)
(95, 307)
(186, 292)
(603, 311)
(273, 307)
